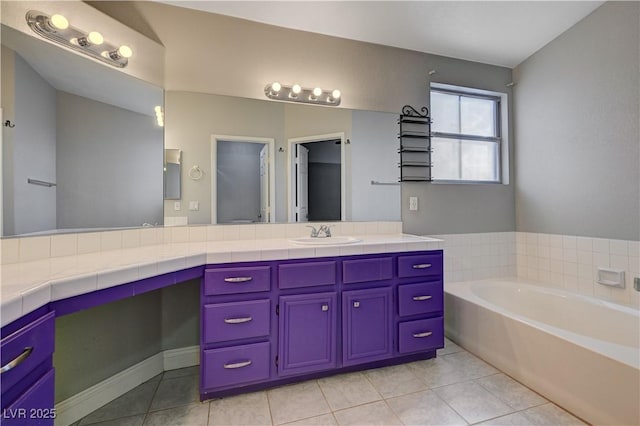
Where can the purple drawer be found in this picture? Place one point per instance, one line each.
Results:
(420, 298)
(421, 335)
(237, 320)
(363, 270)
(27, 348)
(309, 274)
(237, 280)
(420, 265)
(35, 406)
(235, 365)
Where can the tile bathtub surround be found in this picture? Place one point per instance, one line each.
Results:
(571, 263)
(398, 395)
(479, 256)
(23, 249)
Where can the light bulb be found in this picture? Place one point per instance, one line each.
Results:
(275, 86)
(296, 88)
(125, 51)
(317, 91)
(158, 109)
(335, 94)
(59, 22)
(95, 38)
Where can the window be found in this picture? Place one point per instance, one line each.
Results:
(465, 135)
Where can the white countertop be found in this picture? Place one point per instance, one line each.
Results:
(26, 286)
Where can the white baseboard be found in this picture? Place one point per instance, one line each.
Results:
(181, 358)
(78, 406)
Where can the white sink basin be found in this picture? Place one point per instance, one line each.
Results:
(319, 241)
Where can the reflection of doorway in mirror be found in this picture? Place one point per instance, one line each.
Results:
(243, 181)
(316, 178)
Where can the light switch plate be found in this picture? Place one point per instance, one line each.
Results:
(177, 206)
(194, 205)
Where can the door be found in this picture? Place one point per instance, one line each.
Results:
(302, 183)
(264, 185)
(307, 336)
(366, 325)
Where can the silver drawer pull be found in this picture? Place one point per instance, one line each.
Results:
(238, 279)
(356, 304)
(325, 308)
(17, 360)
(421, 298)
(422, 266)
(237, 365)
(421, 335)
(237, 320)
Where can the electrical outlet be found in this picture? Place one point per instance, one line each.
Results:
(413, 203)
(177, 206)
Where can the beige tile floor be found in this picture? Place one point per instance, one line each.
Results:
(456, 388)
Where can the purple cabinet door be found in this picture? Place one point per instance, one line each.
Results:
(366, 325)
(35, 406)
(309, 274)
(363, 270)
(307, 326)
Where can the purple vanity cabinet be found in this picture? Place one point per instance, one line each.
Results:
(367, 317)
(307, 333)
(276, 322)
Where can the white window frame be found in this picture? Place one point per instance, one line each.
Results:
(502, 130)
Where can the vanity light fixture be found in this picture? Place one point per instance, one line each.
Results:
(297, 93)
(56, 28)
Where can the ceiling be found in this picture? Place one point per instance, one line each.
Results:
(501, 33)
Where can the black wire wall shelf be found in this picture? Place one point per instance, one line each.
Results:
(415, 145)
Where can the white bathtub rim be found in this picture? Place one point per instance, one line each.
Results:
(624, 354)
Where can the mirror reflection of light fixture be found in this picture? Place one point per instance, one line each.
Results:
(297, 93)
(56, 28)
(159, 115)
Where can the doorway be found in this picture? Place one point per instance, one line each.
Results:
(316, 178)
(242, 179)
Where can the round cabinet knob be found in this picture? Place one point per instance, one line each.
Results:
(325, 308)
(356, 304)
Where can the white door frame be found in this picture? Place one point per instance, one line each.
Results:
(270, 142)
(291, 174)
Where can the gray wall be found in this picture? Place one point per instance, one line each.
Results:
(30, 148)
(463, 208)
(120, 152)
(374, 146)
(578, 151)
(238, 181)
(94, 344)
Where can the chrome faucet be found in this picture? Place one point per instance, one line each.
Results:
(324, 231)
(314, 231)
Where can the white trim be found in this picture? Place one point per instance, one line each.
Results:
(174, 359)
(343, 171)
(271, 143)
(80, 405)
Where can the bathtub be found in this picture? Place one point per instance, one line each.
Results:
(581, 353)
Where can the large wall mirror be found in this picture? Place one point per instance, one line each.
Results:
(86, 151)
(252, 161)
